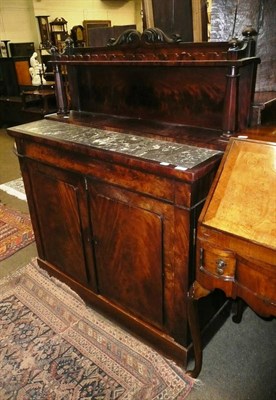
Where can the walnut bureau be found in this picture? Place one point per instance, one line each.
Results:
(236, 236)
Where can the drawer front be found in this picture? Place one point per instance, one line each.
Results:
(217, 262)
(139, 181)
(256, 283)
(216, 268)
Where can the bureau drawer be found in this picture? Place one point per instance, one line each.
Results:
(218, 262)
(216, 268)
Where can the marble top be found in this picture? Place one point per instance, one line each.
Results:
(177, 155)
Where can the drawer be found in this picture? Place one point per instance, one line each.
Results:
(217, 262)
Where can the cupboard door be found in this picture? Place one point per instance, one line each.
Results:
(61, 223)
(129, 234)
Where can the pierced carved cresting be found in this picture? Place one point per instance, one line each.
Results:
(154, 45)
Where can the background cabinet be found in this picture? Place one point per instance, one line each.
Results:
(8, 78)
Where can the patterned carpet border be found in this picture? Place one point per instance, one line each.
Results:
(15, 188)
(16, 231)
(52, 346)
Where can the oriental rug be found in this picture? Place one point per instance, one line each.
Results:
(16, 231)
(53, 347)
(15, 188)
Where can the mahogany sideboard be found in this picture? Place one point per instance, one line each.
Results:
(114, 216)
(117, 178)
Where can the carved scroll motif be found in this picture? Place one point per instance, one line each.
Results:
(156, 35)
(150, 35)
(130, 36)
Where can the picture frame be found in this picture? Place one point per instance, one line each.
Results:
(148, 13)
(91, 24)
(200, 20)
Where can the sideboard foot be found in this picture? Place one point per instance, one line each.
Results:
(195, 293)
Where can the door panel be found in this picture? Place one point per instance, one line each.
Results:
(128, 236)
(59, 201)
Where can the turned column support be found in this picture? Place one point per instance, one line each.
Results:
(61, 98)
(230, 121)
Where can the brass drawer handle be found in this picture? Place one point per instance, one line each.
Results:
(221, 264)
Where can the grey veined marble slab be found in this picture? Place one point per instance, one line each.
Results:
(180, 156)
